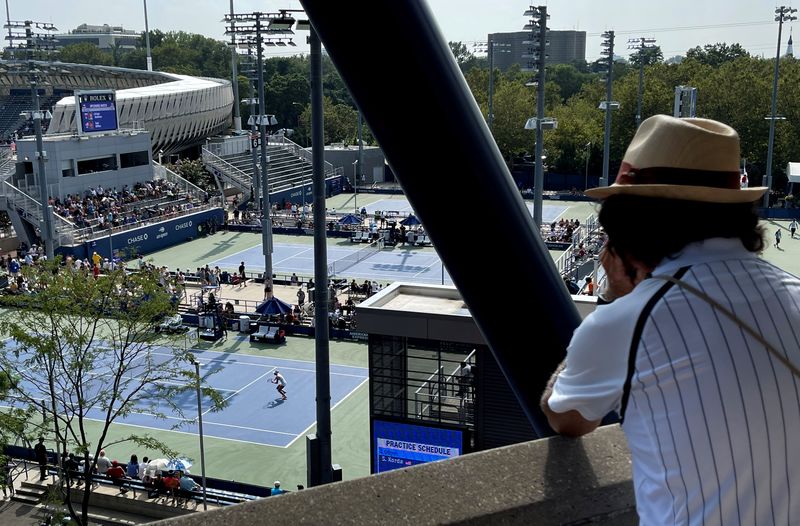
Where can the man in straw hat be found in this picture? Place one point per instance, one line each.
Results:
(698, 349)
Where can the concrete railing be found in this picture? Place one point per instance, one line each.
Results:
(546, 482)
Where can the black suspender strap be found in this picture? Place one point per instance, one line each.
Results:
(637, 336)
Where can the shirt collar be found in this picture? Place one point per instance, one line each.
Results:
(713, 249)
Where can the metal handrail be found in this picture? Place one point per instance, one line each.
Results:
(237, 176)
(162, 172)
(91, 231)
(32, 211)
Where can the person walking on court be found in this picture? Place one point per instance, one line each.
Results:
(281, 383)
(793, 227)
(778, 235)
(301, 297)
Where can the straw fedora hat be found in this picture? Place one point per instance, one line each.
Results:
(691, 159)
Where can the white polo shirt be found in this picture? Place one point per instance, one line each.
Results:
(712, 419)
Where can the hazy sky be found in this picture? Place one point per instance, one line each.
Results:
(676, 24)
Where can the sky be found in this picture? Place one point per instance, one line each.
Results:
(677, 25)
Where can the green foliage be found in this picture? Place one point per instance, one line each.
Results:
(716, 54)
(193, 171)
(647, 56)
(83, 346)
(85, 53)
(569, 79)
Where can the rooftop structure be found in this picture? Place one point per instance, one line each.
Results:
(103, 36)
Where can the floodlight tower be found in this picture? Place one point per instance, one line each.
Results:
(608, 104)
(252, 28)
(641, 44)
(492, 48)
(783, 14)
(36, 40)
(538, 41)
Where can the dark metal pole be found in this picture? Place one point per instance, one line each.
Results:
(266, 219)
(320, 265)
(538, 181)
(357, 175)
(47, 223)
(490, 117)
(200, 424)
(773, 111)
(607, 128)
(432, 85)
(641, 86)
(237, 117)
(254, 185)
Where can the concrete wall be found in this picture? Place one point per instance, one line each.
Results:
(373, 160)
(65, 152)
(545, 482)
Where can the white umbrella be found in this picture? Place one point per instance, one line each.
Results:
(179, 464)
(157, 465)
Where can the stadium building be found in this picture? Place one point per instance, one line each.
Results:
(155, 112)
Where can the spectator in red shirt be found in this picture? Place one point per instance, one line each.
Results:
(117, 476)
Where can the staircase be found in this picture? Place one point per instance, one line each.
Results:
(26, 214)
(289, 166)
(30, 493)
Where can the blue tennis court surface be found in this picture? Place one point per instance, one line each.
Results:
(550, 213)
(402, 263)
(255, 412)
(398, 264)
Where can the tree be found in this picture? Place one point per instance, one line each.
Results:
(193, 171)
(568, 78)
(85, 53)
(83, 350)
(648, 56)
(717, 54)
(464, 57)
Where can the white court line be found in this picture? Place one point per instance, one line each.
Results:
(288, 368)
(205, 422)
(193, 434)
(276, 263)
(249, 428)
(168, 382)
(235, 254)
(332, 408)
(243, 388)
(267, 358)
(426, 268)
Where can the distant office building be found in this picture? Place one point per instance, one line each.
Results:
(104, 37)
(565, 47)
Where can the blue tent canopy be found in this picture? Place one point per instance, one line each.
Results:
(350, 219)
(411, 221)
(274, 306)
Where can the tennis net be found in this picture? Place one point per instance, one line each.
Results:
(350, 260)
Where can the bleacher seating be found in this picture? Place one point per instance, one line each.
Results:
(285, 170)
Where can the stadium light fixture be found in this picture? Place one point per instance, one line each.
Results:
(608, 104)
(641, 44)
(785, 14)
(33, 45)
(283, 22)
(537, 25)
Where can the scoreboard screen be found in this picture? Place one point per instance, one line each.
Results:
(97, 111)
(397, 445)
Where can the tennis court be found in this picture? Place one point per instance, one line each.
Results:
(255, 413)
(401, 263)
(550, 212)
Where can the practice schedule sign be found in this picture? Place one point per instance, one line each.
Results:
(98, 111)
(397, 445)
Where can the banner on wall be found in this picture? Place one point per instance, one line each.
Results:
(149, 238)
